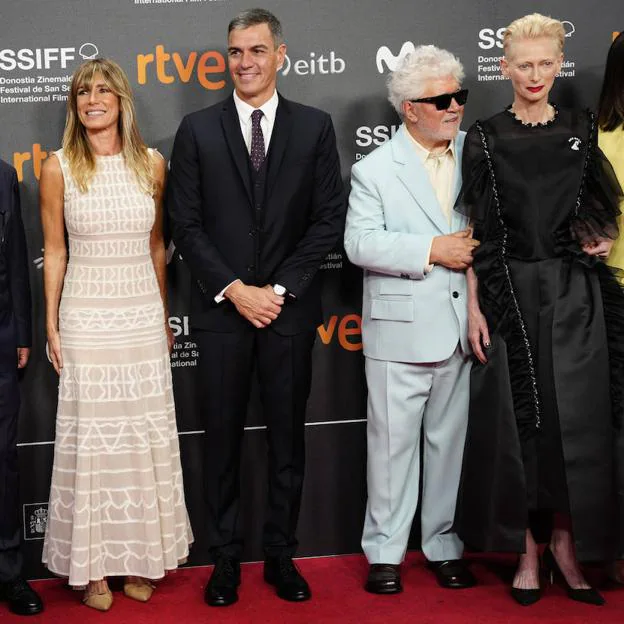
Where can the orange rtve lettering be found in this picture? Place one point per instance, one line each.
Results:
(143, 60)
(217, 66)
(344, 331)
(209, 63)
(162, 58)
(326, 333)
(37, 156)
(184, 71)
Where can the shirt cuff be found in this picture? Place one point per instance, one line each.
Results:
(287, 292)
(221, 296)
(428, 266)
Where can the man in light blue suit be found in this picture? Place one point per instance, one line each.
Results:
(414, 248)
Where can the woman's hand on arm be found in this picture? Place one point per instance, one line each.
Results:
(51, 202)
(601, 247)
(157, 243)
(478, 333)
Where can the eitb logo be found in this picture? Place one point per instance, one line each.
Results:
(35, 520)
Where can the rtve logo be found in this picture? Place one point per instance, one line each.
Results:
(35, 157)
(44, 58)
(387, 58)
(489, 38)
(207, 67)
(347, 332)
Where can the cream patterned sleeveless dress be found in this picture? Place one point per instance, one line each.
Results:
(116, 500)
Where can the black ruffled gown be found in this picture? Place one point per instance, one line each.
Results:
(546, 408)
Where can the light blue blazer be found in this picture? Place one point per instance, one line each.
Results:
(407, 315)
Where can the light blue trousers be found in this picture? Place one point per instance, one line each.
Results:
(404, 399)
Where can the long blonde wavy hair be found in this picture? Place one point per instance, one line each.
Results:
(76, 146)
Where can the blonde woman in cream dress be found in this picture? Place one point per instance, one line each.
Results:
(117, 500)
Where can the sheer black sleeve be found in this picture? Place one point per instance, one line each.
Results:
(600, 194)
(475, 197)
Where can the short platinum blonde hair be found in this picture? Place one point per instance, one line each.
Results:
(427, 62)
(532, 27)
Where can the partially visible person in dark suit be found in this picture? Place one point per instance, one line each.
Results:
(15, 341)
(256, 202)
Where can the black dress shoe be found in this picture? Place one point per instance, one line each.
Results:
(22, 598)
(384, 578)
(282, 573)
(452, 574)
(221, 590)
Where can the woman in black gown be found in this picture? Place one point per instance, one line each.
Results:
(545, 324)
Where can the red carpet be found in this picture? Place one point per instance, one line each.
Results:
(337, 597)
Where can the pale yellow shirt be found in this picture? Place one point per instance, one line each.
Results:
(440, 169)
(612, 144)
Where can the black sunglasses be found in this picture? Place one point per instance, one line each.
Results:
(442, 102)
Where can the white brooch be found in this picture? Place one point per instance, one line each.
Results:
(574, 143)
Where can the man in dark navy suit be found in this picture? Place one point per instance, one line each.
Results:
(15, 340)
(256, 202)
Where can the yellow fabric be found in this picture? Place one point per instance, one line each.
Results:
(441, 171)
(612, 144)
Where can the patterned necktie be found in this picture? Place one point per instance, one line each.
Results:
(257, 140)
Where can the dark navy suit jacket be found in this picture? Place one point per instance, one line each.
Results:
(15, 309)
(220, 234)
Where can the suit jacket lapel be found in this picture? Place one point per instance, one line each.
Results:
(413, 175)
(279, 141)
(458, 220)
(236, 143)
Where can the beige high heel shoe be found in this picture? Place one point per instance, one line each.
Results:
(96, 600)
(138, 588)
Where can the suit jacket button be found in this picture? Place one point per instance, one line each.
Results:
(251, 267)
(455, 294)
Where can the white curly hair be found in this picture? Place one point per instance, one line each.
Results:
(426, 62)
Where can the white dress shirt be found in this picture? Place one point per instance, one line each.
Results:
(267, 121)
(440, 168)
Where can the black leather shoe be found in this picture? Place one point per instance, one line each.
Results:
(22, 598)
(452, 574)
(384, 578)
(282, 573)
(221, 590)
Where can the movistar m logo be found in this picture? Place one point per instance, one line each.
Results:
(385, 56)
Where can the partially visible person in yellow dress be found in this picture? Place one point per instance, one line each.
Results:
(611, 142)
(611, 132)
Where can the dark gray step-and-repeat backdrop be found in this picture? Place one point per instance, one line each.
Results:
(174, 51)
